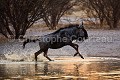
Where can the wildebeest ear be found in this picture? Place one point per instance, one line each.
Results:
(81, 25)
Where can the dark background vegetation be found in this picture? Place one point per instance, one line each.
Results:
(16, 16)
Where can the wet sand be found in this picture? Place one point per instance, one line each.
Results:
(62, 68)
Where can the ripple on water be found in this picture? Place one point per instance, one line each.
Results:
(62, 68)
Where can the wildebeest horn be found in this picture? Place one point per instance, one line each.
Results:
(81, 25)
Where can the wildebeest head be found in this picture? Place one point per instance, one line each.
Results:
(81, 33)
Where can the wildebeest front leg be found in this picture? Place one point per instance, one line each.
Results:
(75, 46)
(45, 55)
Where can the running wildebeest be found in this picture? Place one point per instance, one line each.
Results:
(60, 38)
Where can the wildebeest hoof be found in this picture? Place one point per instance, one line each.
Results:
(82, 57)
(51, 60)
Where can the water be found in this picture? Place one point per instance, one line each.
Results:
(63, 68)
(17, 63)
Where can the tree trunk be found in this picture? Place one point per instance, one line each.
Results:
(54, 24)
(109, 24)
(22, 34)
(8, 30)
(101, 22)
(115, 23)
(17, 34)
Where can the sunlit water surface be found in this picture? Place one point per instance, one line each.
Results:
(62, 68)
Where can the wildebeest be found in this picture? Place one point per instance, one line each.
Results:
(62, 37)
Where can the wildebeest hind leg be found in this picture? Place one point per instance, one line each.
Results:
(45, 55)
(37, 53)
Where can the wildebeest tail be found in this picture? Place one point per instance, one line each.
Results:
(28, 41)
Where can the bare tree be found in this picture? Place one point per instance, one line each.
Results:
(109, 9)
(56, 10)
(96, 13)
(16, 16)
(89, 10)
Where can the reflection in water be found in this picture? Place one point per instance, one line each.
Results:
(62, 69)
(76, 69)
(44, 69)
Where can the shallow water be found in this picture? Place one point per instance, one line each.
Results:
(63, 68)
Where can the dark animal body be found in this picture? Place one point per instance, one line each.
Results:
(60, 38)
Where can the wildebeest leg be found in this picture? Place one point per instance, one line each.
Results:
(45, 55)
(75, 46)
(37, 53)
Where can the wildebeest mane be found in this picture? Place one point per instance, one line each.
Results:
(65, 27)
